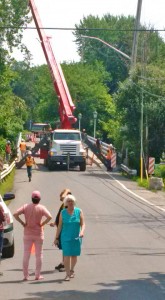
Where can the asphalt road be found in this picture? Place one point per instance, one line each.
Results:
(123, 248)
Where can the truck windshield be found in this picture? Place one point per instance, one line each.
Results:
(40, 127)
(73, 136)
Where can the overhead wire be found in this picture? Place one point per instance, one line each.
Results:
(82, 29)
(147, 92)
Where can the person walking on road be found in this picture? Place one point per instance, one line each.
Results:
(23, 148)
(33, 232)
(71, 227)
(29, 164)
(2, 219)
(63, 194)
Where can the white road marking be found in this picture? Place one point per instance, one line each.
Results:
(141, 198)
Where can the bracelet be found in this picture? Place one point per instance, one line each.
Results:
(57, 239)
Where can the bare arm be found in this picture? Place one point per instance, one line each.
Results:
(17, 217)
(82, 224)
(52, 224)
(56, 240)
(46, 221)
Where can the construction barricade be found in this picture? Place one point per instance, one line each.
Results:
(113, 160)
(151, 165)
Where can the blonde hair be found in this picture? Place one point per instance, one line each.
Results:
(69, 197)
(64, 193)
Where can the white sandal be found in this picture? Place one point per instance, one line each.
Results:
(67, 278)
(72, 274)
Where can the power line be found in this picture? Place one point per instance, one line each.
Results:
(81, 29)
(152, 78)
(160, 98)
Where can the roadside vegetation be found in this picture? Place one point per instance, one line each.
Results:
(101, 81)
(7, 184)
(144, 183)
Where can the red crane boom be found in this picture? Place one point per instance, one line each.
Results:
(66, 106)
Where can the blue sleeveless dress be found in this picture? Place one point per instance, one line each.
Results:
(70, 231)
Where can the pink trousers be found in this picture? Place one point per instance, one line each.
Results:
(28, 242)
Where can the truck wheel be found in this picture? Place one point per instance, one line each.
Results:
(50, 166)
(45, 162)
(83, 166)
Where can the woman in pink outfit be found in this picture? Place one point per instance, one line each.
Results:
(33, 231)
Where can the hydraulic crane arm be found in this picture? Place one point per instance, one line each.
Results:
(66, 106)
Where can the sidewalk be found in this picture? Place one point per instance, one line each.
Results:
(156, 198)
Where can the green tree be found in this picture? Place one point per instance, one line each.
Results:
(118, 32)
(34, 85)
(13, 16)
(109, 30)
(149, 89)
(13, 108)
(87, 85)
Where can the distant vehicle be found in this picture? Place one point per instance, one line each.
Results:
(66, 148)
(8, 243)
(40, 128)
(63, 146)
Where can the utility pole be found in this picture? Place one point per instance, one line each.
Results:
(136, 34)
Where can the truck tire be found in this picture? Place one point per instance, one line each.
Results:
(50, 166)
(45, 162)
(83, 166)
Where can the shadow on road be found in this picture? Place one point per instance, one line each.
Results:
(150, 288)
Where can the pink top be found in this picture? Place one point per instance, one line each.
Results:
(33, 218)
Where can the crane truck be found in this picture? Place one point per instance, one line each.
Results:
(66, 146)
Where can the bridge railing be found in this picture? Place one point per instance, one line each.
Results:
(104, 148)
(129, 171)
(8, 170)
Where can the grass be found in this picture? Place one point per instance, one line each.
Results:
(144, 183)
(7, 184)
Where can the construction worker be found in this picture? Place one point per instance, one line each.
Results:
(8, 151)
(23, 148)
(29, 164)
(109, 157)
(98, 146)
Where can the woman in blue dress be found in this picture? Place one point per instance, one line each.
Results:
(71, 227)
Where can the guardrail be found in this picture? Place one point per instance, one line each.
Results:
(130, 172)
(7, 171)
(104, 146)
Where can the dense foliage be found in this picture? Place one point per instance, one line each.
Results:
(160, 171)
(13, 14)
(143, 96)
(87, 85)
(118, 32)
(102, 81)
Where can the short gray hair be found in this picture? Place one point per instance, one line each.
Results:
(69, 197)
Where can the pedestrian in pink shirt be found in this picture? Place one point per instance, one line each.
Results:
(33, 232)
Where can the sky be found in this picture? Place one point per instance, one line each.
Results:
(67, 13)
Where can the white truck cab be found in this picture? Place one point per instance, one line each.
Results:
(67, 149)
